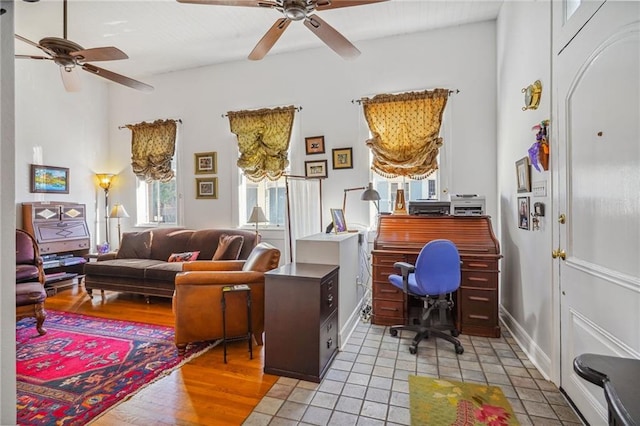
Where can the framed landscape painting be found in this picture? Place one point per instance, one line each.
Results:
(49, 179)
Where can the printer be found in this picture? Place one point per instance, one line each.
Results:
(429, 207)
(467, 205)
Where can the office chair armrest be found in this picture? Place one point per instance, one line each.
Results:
(405, 268)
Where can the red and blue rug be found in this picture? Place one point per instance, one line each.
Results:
(85, 365)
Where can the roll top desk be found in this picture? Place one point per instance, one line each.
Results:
(400, 238)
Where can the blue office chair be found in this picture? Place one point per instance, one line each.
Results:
(434, 277)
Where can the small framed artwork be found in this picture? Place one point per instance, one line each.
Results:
(207, 188)
(206, 163)
(342, 158)
(314, 145)
(523, 175)
(317, 169)
(49, 179)
(339, 224)
(523, 213)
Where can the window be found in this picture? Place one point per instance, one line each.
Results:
(157, 202)
(270, 195)
(425, 189)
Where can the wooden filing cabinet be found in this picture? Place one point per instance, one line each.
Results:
(301, 320)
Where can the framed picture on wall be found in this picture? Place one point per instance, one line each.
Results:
(342, 158)
(314, 145)
(316, 169)
(49, 179)
(206, 163)
(523, 213)
(523, 175)
(207, 188)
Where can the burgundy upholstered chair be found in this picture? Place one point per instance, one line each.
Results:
(30, 292)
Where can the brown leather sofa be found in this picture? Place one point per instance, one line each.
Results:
(142, 265)
(198, 296)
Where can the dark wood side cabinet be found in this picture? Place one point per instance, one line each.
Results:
(301, 320)
(401, 237)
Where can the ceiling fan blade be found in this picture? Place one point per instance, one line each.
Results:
(108, 53)
(70, 79)
(331, 37)
(328, 4)
(117, 78)
(34, 44)
(269, 39)
(33, 57)
(247, 3)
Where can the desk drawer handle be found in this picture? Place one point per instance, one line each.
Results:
(389, 309)
(482, 317)
(329, 326)
(330, 285)
(484, 280)
(479, 299)
(388, 290)
(478, 265)
(330, 300)
(329, 343)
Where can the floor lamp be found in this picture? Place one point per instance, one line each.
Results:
(105, 180)
(118, 211)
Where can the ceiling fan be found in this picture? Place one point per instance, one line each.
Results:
(297, 10)
(69, 56)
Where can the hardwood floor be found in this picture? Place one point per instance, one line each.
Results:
(204, 391)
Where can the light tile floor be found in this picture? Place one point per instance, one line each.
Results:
(367, 383)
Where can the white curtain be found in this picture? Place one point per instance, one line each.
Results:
(304, 209)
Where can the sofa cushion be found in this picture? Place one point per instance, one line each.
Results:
(163, 271)
(130, 268)
(135, 245)
(229, 247)
(170, 240)
(183, 257)
(30, 293)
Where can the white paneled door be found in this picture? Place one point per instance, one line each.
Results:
(597, 103)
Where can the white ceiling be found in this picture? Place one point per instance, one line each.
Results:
(164, 35)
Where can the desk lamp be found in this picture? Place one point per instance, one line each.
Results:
(371, 194)
(105, 180)
(257, 216)
(119, 211)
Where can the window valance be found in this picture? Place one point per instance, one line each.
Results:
(263, 141)
(152, 148)
(405, 129)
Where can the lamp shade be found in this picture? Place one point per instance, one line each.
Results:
(257, 215)
(118, 211)
(370, 194)
(104, 180)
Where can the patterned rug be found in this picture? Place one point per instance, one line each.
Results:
(85, 365)
(448, 402)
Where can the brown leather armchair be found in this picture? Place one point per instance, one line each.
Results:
(198, 295)
(30, 278)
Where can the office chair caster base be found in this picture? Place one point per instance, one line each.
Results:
(413, 350)
(393, 332)
(455, 333)
(459, 349)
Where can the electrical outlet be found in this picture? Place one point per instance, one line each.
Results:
(539, 188)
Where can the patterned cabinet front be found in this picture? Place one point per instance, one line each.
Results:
(57, 227)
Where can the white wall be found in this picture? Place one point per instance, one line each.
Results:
(323, 84)
(68, 129)
(524, 48)
(7, 222)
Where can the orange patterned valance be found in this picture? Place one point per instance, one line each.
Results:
(405, 129)
(152, 149)
(263, 141)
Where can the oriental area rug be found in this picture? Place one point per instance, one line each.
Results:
(85, 365)
(448, 402)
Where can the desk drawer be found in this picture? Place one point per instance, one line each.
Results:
(479, 264)
(479, 279)
(386, 291)
(390, 308)
(328, 296)
(479, 307)
(328, 340)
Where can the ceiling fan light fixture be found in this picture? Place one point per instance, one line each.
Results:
(295, 12)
